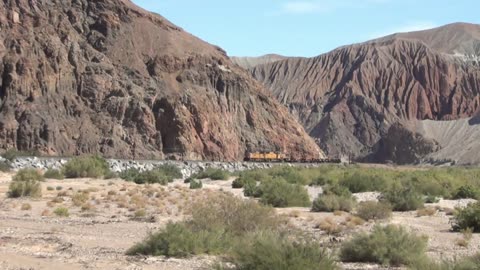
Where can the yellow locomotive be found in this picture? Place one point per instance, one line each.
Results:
(266, 157)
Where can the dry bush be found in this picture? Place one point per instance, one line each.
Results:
(467, 236)
(374, 210)
(354, 221)
(87, 207)
(58, 200)
(139, 201)
(428, 211)
(26, 207)
(46, 213)
(329, 226)
(79, 198)
(61, 212)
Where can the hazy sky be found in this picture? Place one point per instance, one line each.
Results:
(306, 27)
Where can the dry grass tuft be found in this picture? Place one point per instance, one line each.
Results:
(467, 236)
(26, 207)
(329, 226)
(428, 211)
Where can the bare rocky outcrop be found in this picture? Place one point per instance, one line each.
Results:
(251, 62)
(84, 76)
(349, 98)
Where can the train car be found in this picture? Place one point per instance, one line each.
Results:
(281, 157)
(265, 157)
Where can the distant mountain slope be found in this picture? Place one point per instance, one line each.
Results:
(85, 76)
(251, 62)
(349, 98)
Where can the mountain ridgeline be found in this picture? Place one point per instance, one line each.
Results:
(85, 77)
(349, 98)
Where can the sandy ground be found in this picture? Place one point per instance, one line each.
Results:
(97, 236)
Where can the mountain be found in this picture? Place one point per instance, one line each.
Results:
(88, 76)
(251, 62)
(349, 98)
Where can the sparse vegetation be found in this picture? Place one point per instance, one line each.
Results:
(91, 167)
(12, 154)
(54, 174)
(390, 245)
(79, 198)
(467, 192)
(427, 211)
(374, 210)
(467, 236)
(361, 182)
(5, 166)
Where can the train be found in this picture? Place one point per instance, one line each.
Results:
(271, 156)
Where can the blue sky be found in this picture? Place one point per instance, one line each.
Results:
(305, 27)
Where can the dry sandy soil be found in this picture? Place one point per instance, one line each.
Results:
(99, 230)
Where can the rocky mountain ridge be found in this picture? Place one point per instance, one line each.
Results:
(83, 76)
(349, 98)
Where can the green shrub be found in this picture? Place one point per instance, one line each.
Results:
(25, 184)
(196, 184)
(280, 193)
(332, 203)
(290, 174)
(28, 175)
(216, 224)
(5, 166)
(358, 182)
(92, 167)
(54, 174)
(321, 181)
(50, 188)
(12, 154)
(467, 263)
(241, 182)
(336, 189)
(403, 198)
(467, 192)
(390, 245)
(468, 217)
(110, 175)
(161, 175)
(213, 174)
(250, 189)
(61, 212)
(374, 211)
(271, 250)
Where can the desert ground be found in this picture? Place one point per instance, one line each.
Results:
(115, 214)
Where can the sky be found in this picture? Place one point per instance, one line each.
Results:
(306, 27)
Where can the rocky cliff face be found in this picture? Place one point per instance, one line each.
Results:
(349, 98)
(251, 62)
(85, 76)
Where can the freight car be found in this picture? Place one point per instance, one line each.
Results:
(281, 157)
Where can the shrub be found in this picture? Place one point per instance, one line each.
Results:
(404, 198)
(139, 214)
(50, 188)
(61, 212)
(79, 198)
(92, 167)
(213, 174)
(427, 211)
(110, 175)
(250, 189)
(280, 193)
(161, 175)
(358, 182)
(58, 188)
(271, 250)
(26, 207)
(28, 175)
(241, 182)
(216, 224)
(374, 210)
(54, 174)
(467, 236)
(467, 192)
(25, 185)
(468, 217)
(331, 203)
(468, 263)
(390, 245)
(5, 166)
(196, 184)
(329, 226)
(290, 174)
(320, 181)
(338, 190)
(12, 154)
